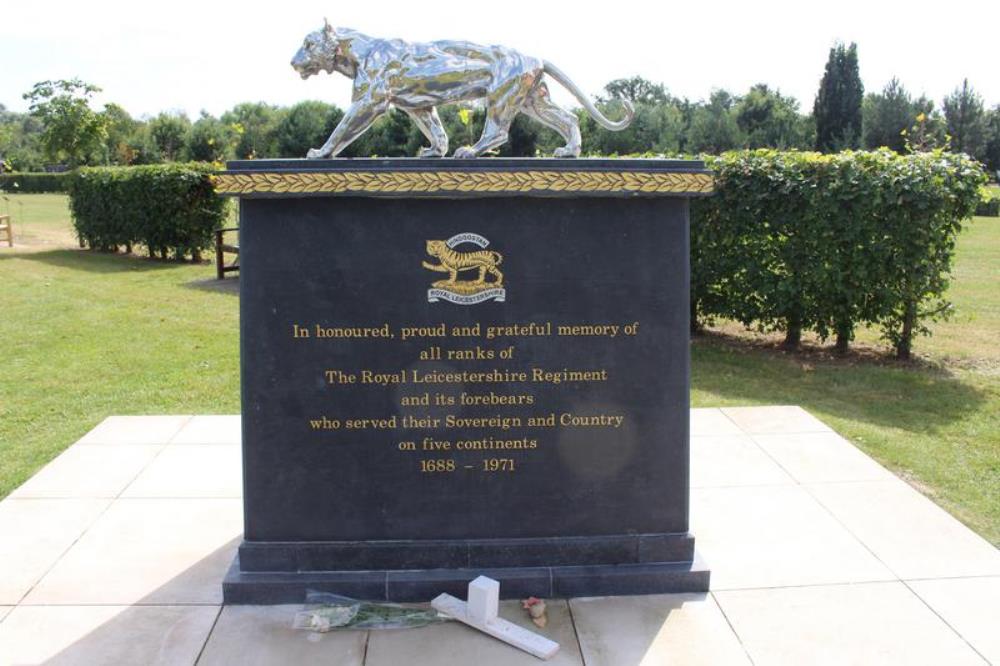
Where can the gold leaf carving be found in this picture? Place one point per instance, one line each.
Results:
(458, 181)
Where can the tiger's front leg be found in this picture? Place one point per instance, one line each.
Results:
(357, 119)
(497, 276)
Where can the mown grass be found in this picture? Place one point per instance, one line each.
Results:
(88, 335)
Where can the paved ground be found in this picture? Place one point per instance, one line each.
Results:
(113, 554)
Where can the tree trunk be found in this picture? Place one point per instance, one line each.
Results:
(845, 333)
(695, 324)
(905, 344)
(793, 337)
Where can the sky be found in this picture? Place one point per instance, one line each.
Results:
(192, 56)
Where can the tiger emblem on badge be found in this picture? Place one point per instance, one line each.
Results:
(487, 285)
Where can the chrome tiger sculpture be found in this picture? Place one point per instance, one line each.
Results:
(417, 78)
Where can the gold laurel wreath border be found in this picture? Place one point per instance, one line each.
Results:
(457, 181)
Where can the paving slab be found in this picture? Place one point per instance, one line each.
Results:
(263, 636)
(732, 460)
(148, 551)
(105, 635)
(872, 623)
(771, 536)
(207, 470)
(797, 525)
(778, 420)
(822, 457)
(913, 536)
(135, 430)
(711, 421)
(36, 533)
(455, 644)
(971, 606)
(676, 629)
(89, 471)
(210, 429)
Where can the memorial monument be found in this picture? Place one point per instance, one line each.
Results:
(454, 367)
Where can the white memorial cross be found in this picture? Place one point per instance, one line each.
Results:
(480, 612)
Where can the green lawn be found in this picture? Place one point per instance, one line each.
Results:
(88, 335)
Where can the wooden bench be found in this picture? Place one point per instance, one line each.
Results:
(221, 247)
(7, 228)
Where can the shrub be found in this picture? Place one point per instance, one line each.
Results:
(801, 241)
(34, 182)
(170, 209)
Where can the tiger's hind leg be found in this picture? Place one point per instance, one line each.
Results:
(429, 123)
(541, 107)
(501, 108)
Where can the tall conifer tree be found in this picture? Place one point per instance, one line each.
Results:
(838, 103)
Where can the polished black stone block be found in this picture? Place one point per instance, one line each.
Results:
(364, 461)
(653, 578)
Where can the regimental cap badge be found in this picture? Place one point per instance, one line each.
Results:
(486, 286)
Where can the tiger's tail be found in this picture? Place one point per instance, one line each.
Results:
(601, 119)
(497, 258)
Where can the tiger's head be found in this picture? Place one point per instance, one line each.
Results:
(435, 247)
(327, 49)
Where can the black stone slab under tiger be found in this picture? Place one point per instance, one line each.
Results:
(463, 367)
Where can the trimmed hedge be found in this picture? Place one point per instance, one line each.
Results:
(34, 182)
(990, 204)
(801, 241)
(171, 209)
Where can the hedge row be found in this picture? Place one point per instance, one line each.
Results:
(800, 241)
(171, 209)
(990, 205)
(34, 182)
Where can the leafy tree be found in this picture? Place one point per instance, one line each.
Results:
(71, 130)
(769, 120)
(210, 140)
(655, 128)
(713, 128)
(522, 138)
(121, 127)
(838, 103)
(966, 118)
(993, 142)
(306, 125)
(169, 132)
(255, 124)
(20, 147)
(886, 114)
(392, 135)
(6, 133)
(636, 90)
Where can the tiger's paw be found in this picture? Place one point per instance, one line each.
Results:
(430, 152)
(567, 151)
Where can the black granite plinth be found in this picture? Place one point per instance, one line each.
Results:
(406, 429)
